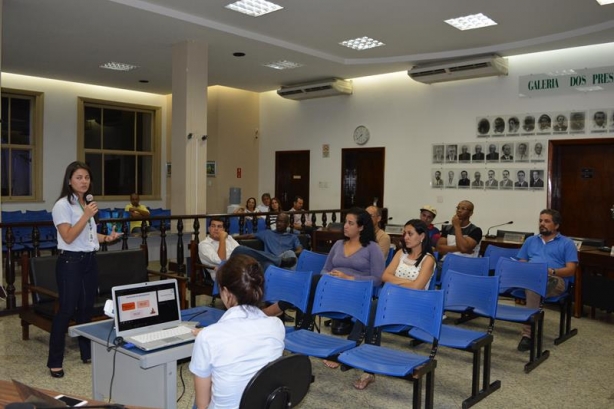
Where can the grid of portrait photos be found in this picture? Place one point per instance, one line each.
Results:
(595, 121)
(506, 178)
(491, 152)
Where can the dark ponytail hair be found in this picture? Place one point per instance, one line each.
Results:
(420, 228)
(363, 219)
(243, 277)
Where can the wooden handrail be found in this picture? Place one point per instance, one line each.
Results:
(320, 218)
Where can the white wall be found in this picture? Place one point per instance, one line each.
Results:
(407, 117)
(60, 130)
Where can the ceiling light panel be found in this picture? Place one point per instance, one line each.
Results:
(254, 8)
(118, 66)
(283, 65)
(604, 2)
(362, 43)
(471, 22)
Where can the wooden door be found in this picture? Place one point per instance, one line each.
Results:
(581, 186)
(292, 177)
(362, 177)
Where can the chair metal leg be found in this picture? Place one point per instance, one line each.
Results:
(565, 331)
(487, 388)
(417, 398)
(539, 356)
(465, 316)
(430, 390)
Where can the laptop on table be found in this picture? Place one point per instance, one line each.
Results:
(148, 315)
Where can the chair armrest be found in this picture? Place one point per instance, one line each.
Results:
(43, 291)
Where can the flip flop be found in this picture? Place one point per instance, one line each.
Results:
(364, 381)
(331, 364)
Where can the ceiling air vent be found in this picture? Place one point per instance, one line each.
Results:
(316, 89)
(486, 66)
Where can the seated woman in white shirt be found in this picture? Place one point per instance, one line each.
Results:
(412, 266)
(228, 354)
(250, 207)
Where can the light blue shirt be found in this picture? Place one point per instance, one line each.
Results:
(232, 350)
(556, 253)
(65, 213)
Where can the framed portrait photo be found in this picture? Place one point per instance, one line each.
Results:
(211, 168)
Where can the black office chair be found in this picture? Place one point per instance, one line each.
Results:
(282, 383)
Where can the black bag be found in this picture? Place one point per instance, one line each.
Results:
(342, 327)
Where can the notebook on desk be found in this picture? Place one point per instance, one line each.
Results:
(148, 315)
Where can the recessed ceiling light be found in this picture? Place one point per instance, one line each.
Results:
(118, 66)
(604, 2)
(471, 22)
(362, 43)
(254, 8)
(283, 65)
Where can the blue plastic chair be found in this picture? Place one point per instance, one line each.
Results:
(158, 223)
(564, 302)
(289, 286)
(529, 276)
(478, 266)
(403, 306)
(390, 256)
(467, 265)
(333, 295)
(494, 253)
(310, 261)
(20, 234)
(480, 294)
(233, 227)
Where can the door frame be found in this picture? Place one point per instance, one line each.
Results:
(553, 152)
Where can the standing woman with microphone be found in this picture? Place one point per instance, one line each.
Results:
(76, 268)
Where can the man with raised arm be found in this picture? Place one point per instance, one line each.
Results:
(460, 236)
(216, 247)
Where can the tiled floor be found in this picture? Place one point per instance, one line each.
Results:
(578, 373)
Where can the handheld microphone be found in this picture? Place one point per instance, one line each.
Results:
(492, 236)
(446, 222)
(89, 199)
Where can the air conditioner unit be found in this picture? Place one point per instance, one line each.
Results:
(316, 89)
(479, 67)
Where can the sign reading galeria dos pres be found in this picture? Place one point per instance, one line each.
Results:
(568, 82)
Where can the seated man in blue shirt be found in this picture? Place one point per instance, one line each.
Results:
(280, 247)
(554, 249)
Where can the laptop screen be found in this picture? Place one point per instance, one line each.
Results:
(146, 307)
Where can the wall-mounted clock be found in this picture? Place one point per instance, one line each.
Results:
(361, 135)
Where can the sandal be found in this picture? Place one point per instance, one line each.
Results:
(364, 381)
(331, 364)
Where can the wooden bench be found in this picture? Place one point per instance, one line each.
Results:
(39, 287)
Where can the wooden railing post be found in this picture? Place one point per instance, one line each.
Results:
(10, 270)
